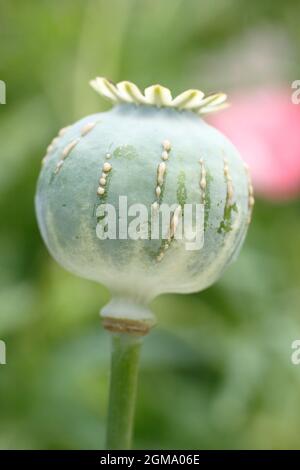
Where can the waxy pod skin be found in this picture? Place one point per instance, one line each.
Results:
(154, 150)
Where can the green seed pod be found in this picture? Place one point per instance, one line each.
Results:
(153, 150)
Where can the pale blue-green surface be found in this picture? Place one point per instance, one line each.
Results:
(67, 202)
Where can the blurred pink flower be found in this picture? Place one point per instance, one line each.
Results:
(265, 127)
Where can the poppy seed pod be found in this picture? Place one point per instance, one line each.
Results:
(150, 150)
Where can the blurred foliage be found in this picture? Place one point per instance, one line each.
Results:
(216, 373)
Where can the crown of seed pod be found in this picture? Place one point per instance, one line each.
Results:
(153, 149)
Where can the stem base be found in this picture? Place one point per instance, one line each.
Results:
(123, 385)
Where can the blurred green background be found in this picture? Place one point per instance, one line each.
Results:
(216, 372)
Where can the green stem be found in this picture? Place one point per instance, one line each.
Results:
(122, 394)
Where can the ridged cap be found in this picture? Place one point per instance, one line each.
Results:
(157, 95)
